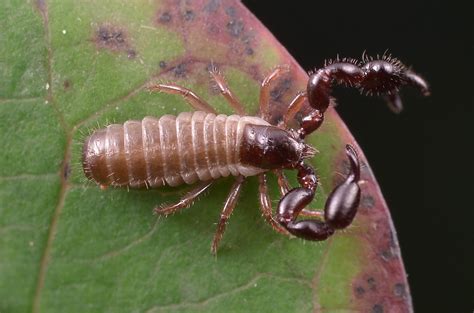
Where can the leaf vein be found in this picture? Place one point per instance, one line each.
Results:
(201, 304)
(127, 247)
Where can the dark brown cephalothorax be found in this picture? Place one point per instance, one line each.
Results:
(202, 146)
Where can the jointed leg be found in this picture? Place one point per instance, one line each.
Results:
(226, 92)
(266, 205)
(185, 201)
(197, 103)
(294, 107)
(227, 211)
(265, 89)
(282, 182)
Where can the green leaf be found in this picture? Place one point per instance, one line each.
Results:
(68, 68)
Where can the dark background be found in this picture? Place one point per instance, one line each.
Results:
(421, 158)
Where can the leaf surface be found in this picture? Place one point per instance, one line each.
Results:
(68, 68)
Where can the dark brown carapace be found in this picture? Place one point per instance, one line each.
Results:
(202, 146)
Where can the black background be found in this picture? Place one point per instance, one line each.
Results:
(422, 158)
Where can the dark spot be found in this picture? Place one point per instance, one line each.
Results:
(115, 39)
(249, 51)
(66, 171)
(378, 308)
(371, 282)
(281, 88)
(131, 54)
(389, 254)
(235, 28)
(399, 290)
(67, 84)
(111, 37)
(360, 291)
(165, 18)
(230, 11)
(367, 202)
(212, 6)
(162, 64)
(188, 15)
(180, 70)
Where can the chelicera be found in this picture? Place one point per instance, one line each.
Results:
(202, 146)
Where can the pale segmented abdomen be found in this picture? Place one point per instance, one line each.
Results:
(170, 150)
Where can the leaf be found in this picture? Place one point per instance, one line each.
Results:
(68, 68)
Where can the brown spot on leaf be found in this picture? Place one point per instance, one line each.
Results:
(235, 27)
(359, 291)
(188, 15)
(389, 254)
(115, 39)
(131, 54)
(212, 6)
(400, 290)
(67, 84)
(165, 18)
(111, 37)
(371, 283)
(367, 201)
(230, 11)
(180, 70)
(378, 308)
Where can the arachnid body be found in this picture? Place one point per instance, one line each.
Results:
(202, 146)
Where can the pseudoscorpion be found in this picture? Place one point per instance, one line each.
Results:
(202, 146)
